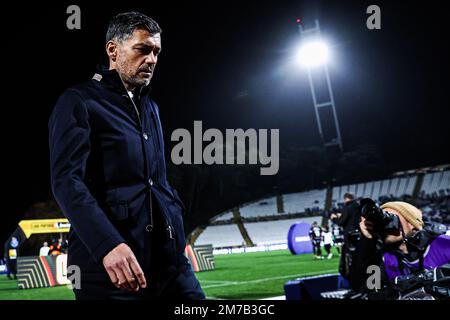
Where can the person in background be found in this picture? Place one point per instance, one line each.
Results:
(315, 234)
(349, 220)
(338, 237)
(11, 254)
(55, 249)
(62, 244)
(44, 249)
(65, 246)
(327, 241)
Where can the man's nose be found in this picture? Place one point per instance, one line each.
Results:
(151, 58)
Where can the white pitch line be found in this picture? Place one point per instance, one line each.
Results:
(233, 283)
(217, 281)
(275, 298)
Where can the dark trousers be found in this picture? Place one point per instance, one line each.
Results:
(182, 286)
(11, 264)
(344, 263)
(316, 246)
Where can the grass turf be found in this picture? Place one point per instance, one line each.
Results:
(261, 274)
(9, 291)
(236, 276)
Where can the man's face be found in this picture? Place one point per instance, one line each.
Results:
(135, 58)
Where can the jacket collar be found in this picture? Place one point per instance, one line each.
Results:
(111, 79)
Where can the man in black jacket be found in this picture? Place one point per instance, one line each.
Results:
(108, 175)
(349, 220)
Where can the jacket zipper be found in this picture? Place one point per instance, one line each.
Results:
(149, 227)
(155, 132)
(169, 227)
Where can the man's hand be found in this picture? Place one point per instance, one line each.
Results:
(123, 268)
(366, 228)
(335, 216)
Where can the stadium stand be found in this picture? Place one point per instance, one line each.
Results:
(433, 182)
(299, 202)
(221, 236)
(270, 232)
(264, 207)
(224, 217)
(396, 187)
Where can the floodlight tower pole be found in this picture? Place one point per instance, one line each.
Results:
(335, 141)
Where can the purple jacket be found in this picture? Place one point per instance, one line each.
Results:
(437, 254)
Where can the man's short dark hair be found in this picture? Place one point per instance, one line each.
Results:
(122, 25)
(349, 196)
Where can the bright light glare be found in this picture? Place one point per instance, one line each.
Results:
(313, 54)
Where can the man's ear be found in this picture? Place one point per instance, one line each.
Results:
(111, 50)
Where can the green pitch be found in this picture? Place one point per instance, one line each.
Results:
(237, 276)
(260, 275)
(9, 291)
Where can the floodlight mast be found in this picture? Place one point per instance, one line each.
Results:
(335, 141)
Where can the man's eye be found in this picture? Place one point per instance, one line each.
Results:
(144, 50)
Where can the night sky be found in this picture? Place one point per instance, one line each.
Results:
(226, 63)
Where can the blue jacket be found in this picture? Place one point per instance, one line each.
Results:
(108, 175)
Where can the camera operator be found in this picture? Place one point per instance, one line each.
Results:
(349, 220)
(395, 238)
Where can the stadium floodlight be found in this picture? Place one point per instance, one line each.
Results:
(313, 54)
